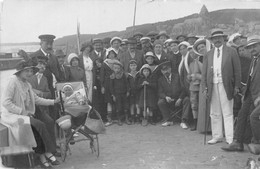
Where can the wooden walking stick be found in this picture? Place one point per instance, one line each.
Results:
(206, 118)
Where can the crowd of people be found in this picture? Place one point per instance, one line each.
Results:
(212, 81)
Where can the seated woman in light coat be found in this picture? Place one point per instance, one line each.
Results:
(18, 114)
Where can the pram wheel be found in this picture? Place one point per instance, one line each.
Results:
(94, 145)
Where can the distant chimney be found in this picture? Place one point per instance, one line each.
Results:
(204, 11)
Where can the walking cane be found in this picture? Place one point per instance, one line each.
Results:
(206, 119)
(145, 113)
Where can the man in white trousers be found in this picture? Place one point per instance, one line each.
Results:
(221, 78)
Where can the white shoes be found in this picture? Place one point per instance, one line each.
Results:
(167, 123)
(184, 125)
(214, 141)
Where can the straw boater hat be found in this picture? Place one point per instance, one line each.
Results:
(149, 54)
(166, 43)
(251, 40)
(145, 39)
(217, 33)
(174, 41)
(114, 39)
(97, 40)
(23, 65)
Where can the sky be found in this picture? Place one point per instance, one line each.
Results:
(25, 20)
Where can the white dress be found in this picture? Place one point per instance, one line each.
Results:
(88, 66)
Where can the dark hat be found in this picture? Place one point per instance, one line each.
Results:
(42, 59)
(216, 33)
(138, 34)
(97, 40)
(47, 37)
(152, 34)
(124, 42)
(162, 33)
(251, 40)
(191, 35)
(132, 40)
(165, 65)
(132, 62)
(85, 45)
(184, 36)
(156, 42)
(23, 65)
(174, 41)
(107, 40)
(59, 53)
(116, 62)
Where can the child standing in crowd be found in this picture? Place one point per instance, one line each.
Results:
(120, 92)
(98, 98)
(76, 73)
(105, 72)
(147, 100)
(194, 78)
(133, 95)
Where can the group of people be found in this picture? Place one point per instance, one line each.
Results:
(213, 81)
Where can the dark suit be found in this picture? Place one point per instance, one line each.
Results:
(243, 132)
(175, 60)
(125, 58)
(164, 57)
(174, 91)
(64, 73)
(94, 56)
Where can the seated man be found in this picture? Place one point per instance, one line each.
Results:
(170, 93)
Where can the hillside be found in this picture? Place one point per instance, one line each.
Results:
(245, 21)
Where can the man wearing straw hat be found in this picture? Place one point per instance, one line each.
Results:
(220, 81)
(250, 106)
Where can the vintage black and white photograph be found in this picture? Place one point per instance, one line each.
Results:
(130, 84)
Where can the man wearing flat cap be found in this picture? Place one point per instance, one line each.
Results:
(52, 67)
(221, 77)
(98, 51)
(64, 69)
(138, 36)
(131, 54)
(248, 123)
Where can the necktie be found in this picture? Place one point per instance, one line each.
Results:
(63, 72)
(253, 66)
(218, 54)
(39, 76)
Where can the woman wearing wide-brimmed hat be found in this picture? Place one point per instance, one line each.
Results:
(18, 114)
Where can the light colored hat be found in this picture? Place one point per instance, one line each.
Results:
(145, 66)
(149, 54)
(71, 56)
(145, 39)
(115, 38)
(216, 33)
(251, 40)
(185, 43)
(109, 50)
(200, 41)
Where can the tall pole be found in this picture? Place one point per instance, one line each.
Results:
(134, 17)
(1, 14)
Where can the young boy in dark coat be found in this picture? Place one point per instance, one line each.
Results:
(120, 91)
(105, 72)
(147, 87)
(133, 94)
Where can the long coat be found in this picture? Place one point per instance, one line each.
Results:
(230, 69)
(125, 58)
(20, 131)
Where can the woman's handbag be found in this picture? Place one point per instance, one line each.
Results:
(95, 125)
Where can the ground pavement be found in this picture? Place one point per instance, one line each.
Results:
(153, 147)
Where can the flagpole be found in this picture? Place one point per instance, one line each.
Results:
(134, 17)
(78, 36)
